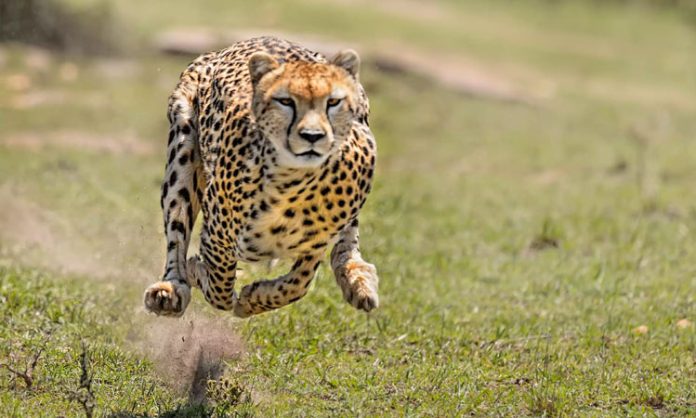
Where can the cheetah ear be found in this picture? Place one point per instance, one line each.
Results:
(348, 60)
(260, 64)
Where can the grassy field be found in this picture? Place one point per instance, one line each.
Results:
(535, 260)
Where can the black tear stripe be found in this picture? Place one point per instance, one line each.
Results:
(292, 122)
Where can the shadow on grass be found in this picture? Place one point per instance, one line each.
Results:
(199, 370)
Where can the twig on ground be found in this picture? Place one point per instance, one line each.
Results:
(508, 341)
(28, 374)
(84, 394)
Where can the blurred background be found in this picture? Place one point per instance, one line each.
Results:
(535, 186)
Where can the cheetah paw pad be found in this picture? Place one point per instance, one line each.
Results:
(168, 298)
(360, 285)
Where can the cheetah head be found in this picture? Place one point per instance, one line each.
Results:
(305, 109)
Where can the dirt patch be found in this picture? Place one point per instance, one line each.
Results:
(547, 177)
(190, 351)
(631, 93)
(456, 73)
(17, 82)
(37, 59)
(37, 236)
(117, 69)
(36, 98)
(410, 9)
(127, 143)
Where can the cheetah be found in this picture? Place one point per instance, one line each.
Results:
(271, 142)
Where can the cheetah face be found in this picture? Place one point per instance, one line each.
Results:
(305, 109)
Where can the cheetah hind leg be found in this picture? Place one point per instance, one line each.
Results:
(168, 298)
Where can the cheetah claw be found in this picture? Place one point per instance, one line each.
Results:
(359, 285)
(168, 298)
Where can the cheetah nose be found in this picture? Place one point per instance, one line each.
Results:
(312, 136)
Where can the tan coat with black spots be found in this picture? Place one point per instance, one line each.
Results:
(270, 141)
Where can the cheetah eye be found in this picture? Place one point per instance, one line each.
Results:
(333, 102)
(285, 101)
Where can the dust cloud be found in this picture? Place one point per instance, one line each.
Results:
(189, 352)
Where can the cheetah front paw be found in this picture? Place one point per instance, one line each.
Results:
(359, 283)
(168, 298)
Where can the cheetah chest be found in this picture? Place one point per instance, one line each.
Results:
(301, 221)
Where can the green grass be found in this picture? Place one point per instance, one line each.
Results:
(41, 317)
(519, 247)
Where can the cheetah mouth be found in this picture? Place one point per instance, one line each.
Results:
(310, 154)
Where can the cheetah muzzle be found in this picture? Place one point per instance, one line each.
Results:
(270, 142)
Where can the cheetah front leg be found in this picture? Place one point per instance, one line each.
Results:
(266, 295)
(356, 277)
(181, 195)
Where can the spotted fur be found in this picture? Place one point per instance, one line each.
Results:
(270, 141)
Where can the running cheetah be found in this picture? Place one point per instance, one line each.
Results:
(271, 142)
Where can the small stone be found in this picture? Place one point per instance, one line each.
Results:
(641, 330)
(69, 72)
(37, 59)
(18, 82)
(684, 324)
